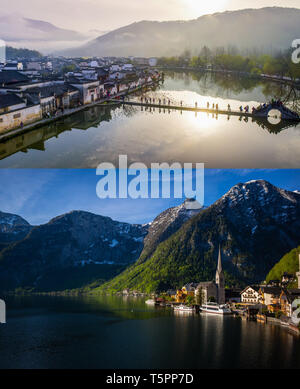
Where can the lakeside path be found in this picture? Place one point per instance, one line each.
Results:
(68, 112)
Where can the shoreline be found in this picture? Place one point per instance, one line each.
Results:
(232, 72)
(71, 111)
(268, 320)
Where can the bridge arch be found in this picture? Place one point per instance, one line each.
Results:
(285, 113)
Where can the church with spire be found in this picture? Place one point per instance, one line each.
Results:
(213, 289)
(220, 280)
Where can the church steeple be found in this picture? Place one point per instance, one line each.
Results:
(220, 279)
(219, 269)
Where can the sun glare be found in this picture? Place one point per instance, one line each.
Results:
(197, 8)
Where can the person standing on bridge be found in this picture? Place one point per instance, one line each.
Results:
(228, 107)
(196, 104)
(207, 105)
(217, 107)
(241, 109)
(181, 103)
(213, 106)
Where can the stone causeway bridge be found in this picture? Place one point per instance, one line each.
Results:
(275, 110)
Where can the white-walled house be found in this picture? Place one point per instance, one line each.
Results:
(90, 91)
(127, 66)
(115, 68)
(14, 111)
(250, 295)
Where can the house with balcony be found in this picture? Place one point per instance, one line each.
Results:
(250, 295)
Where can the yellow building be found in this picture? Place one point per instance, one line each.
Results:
(185, 291)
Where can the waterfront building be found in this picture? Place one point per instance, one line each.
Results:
(213, 290)
(286, 299)
(15, 112)
(56, 96)
(90, 91)
(269, 295)
(250, 295)
(185, 291)
(206, 291)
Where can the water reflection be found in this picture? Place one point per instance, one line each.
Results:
(155, 135)
(117, 332)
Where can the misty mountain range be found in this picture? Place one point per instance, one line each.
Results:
(266, 29)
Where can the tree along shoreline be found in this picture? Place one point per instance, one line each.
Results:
(283, 80)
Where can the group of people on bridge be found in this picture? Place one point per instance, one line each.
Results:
(276, 104)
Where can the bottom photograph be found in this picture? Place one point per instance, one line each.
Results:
(94, 280)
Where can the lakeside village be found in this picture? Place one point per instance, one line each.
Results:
(36, 91)
(274, 303)
(45, 89)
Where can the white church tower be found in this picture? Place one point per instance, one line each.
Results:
(298, 274)
(220, 280)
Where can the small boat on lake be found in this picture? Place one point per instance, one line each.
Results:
(184, 308)
(150, 302)
(216, 309)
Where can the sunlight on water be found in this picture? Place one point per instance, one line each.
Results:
(101, 134)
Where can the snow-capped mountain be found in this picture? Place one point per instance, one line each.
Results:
(255, 224)
(12, 228)
(76, 240)
(166, 224)
(249, 204)
(80, 245)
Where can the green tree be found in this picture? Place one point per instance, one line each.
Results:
(190, 300)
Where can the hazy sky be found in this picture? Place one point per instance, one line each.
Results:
(85, 15)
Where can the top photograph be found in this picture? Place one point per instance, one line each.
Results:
(220, 86)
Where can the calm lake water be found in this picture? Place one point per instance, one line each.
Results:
(114, 332)
(101, 134)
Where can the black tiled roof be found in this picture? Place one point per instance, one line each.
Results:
(9, 99)
(52, 90)
(271, 290)
(11, 77)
